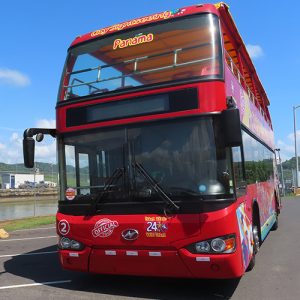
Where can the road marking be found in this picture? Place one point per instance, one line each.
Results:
(42, 228)
(34, 284)
(27, 254)
(25, 239)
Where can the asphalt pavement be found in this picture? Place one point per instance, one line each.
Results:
(29, 269)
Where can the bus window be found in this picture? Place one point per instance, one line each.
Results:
(176, 50)
(238, 171)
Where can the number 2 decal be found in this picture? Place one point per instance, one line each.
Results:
(63, 227)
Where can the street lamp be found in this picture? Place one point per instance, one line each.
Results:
(281, 171)
(295, 138)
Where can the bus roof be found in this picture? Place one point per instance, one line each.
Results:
(166, 15)
(233, 42)
(235, 46)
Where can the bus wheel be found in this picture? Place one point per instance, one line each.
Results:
(275, 225)
(256, 239)
(256, 246)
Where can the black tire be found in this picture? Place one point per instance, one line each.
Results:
(256, 246)
(275, 225)
(251, 263)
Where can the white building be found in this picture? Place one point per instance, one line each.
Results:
(13, 180)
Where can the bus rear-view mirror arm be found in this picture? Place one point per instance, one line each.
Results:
(29, 143)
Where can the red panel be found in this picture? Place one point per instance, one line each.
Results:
(138, 262)
(211, 99)
(218, 266)
(212, 96)
(69, 259)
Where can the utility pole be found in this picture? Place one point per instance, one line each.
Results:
(296, 154)
(281, 171)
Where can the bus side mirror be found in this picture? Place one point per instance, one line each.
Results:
(232, 127)
(29, 143)
(28, 152)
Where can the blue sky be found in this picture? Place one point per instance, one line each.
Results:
(35, 36)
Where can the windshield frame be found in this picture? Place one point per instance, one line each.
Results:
(217, 37)
(129, 181)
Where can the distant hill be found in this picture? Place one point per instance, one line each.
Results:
(49, 169)
(19, 168)
(290, 164)
(288, 167)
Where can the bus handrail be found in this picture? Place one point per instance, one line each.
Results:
(135, 61)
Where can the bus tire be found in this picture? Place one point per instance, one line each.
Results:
(256, 246)
(256, 238)
(275, 225)
(251, 263)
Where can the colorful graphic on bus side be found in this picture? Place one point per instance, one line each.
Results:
(250, 116)
(245, 229)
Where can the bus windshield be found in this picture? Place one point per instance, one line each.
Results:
(179, 49)
(184, 157)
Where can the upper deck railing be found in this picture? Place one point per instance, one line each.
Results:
(241, 79)
(76, 82)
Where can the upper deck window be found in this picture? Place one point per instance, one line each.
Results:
(176, 50)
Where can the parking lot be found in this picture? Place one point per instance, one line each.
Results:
(30, 270)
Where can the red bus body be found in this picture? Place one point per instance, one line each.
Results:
(159, 243)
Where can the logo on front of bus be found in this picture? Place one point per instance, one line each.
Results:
(104, 228)
(137, 40)
(140, 21)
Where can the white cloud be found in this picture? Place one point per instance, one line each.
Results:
(9, 129)
(287, 146)
(12, 151)
(287, 150)
(45, 153)
(13, 77)
(44, 123)
(255, 51)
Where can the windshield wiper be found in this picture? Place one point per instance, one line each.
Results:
(179, 191)
(116, 175)
(171, 205)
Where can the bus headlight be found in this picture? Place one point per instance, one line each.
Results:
(218, 245)
(221, 245)
(202, 247)
(64, 243)
(68, 244)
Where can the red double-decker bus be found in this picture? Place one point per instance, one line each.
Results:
(165, 149)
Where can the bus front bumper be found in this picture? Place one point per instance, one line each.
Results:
(156, 263)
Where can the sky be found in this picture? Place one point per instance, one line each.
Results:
(35, 36)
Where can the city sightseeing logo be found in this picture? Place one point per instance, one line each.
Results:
(156, 17)
(104, 228)
(137, 40)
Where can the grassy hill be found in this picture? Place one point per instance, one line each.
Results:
(19, 168)
(49, 170)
